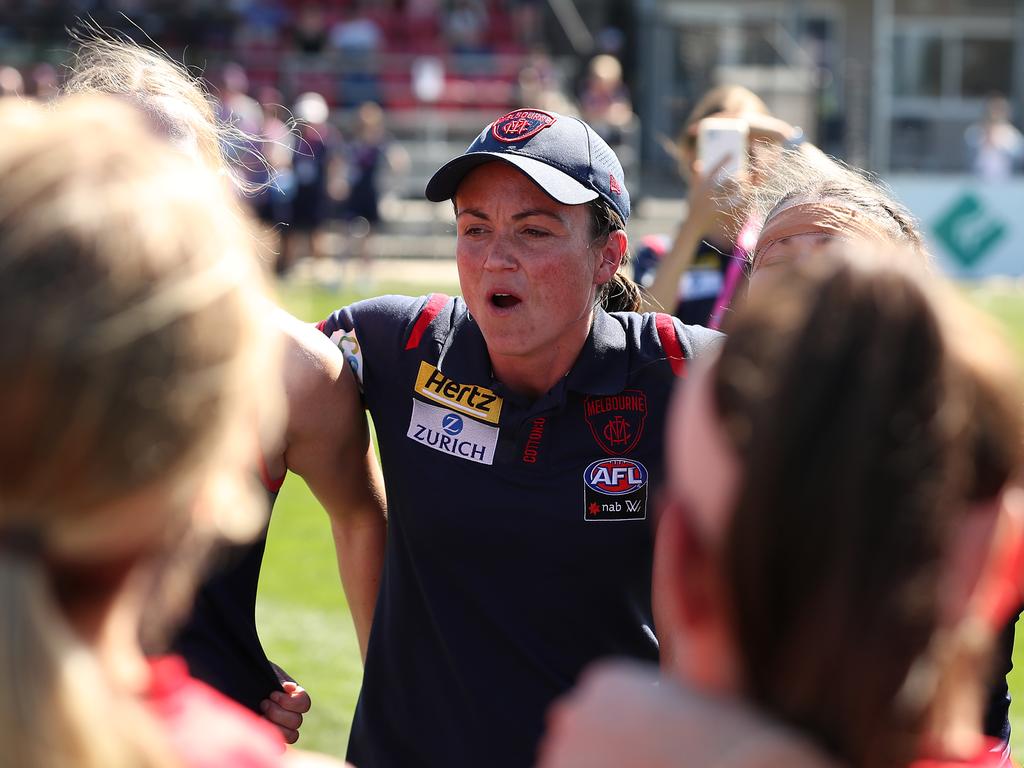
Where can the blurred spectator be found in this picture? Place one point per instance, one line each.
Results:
(358, 37)
(994, 145)
(540, 85)
(238, 107)
(527, 17)
(11, 82)
(466, 26)
(44, 82)
(270, 203)
(369, 149)
(604, 100)
(310, 33)
(313, 164)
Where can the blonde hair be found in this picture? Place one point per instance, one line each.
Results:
(176, 103)
(132, 308)
(795, 177)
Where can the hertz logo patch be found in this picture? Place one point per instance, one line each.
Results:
(479, 402)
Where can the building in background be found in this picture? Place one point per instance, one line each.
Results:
(887, 84)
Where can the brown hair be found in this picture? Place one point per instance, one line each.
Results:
(134, 306)
(620, 294)
(731, 99)
(864, 426)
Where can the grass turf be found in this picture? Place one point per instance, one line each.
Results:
(302, 613)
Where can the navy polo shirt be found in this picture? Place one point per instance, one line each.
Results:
(520, 531)
(219, 640)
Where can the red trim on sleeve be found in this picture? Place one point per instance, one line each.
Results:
(435, 303)
(321, 325)
(270, 484)
(670, 343)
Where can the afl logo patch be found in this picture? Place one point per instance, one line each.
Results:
(617, 421)
(615, 489)
(520, 125)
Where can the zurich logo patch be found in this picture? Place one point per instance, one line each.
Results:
(521, 125)
(452, 424)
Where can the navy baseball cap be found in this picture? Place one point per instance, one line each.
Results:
(563, 155)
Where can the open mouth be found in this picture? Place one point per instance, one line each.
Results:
(504, 300)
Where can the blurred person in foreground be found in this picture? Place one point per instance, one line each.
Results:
(839, 541)
(327, 444)
(807, 202)
(130, 421)
(698, 273)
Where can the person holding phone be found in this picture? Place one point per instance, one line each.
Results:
(697, 273)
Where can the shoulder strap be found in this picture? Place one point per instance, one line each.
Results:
(435, 303)
(670, 343)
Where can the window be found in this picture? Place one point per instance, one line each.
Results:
(987, 67)
(917, 66)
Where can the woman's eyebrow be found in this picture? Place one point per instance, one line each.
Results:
(537, 212)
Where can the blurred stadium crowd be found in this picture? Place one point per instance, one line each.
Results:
(325, 94)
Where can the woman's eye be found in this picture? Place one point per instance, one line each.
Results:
(531, 232)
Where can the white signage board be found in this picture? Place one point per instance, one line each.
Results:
(974, 228)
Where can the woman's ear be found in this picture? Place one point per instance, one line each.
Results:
(1000, 590)
(983, 563)
(611, 253)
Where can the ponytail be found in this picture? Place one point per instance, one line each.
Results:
(60, 710)
(620, 294)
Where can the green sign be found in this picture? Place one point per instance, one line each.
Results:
(968, 231)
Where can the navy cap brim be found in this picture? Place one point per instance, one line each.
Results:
(560, 186)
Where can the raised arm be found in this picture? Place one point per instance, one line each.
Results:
(327, 443)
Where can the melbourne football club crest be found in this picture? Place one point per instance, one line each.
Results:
(617, 421)
(521, 125)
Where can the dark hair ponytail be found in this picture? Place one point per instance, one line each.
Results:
(620, 294)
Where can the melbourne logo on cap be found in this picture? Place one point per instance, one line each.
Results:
(521, 124)
(617, 421)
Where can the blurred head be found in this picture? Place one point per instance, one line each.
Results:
(126, 396)
(606, 70)
(806, 204)
(11, 82)
(311, 108)
(835, 479)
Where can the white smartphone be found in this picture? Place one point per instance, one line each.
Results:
(721, 137)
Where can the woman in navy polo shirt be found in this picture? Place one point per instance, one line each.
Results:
(519, 432)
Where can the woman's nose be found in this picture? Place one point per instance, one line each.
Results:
(501, 254)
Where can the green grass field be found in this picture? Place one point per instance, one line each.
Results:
(303, 617)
